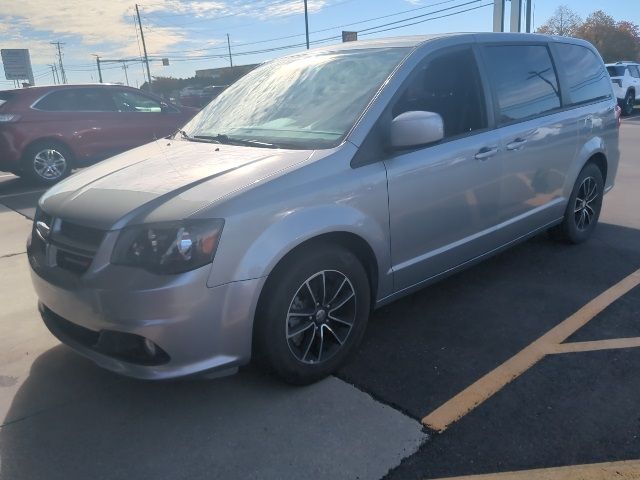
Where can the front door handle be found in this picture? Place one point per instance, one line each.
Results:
(517, 144)
(486, 152)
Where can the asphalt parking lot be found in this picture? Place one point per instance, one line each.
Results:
(525, 363)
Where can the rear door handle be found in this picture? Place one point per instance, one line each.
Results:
(486, 152)
(517, 144)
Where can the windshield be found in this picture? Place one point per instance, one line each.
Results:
(305, 101)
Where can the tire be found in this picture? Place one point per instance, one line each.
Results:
(583, 209)
(628, 103)
(46, 163)
(299, 335)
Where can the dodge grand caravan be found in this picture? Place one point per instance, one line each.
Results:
(318, 187)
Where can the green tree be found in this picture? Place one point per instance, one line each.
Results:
(564, 22)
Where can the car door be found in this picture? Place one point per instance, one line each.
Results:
(82, 117)
(141, 117)
(538, 140)
(443, 197)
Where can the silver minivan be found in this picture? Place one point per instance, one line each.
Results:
(318, 187)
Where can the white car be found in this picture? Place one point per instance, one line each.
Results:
(625, 77)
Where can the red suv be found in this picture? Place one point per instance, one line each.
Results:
(47, 131)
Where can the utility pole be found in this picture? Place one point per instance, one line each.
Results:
(62, 74)
(53, 74)
(528, 15)
(306, 22)
(229, 46)
(124, 67)
(144, 46)
(98, 63)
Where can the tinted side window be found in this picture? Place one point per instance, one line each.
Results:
(77, 100)
(633, 70)
(133, 102)
(616, 71)
(524, 81)
(450, 86)
(587, 77)
(54, 101)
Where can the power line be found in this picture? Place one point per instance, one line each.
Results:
(368, 31)
(334, 27)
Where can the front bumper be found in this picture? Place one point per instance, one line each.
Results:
(199, 328)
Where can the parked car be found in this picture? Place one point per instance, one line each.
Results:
(199, 97)
(316, 188)
(625, 77)
(191, 97)
(47, 131)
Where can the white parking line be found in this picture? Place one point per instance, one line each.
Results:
(17, 194)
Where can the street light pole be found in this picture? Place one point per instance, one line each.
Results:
(306, 22)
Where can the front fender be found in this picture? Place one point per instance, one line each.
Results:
(263, 225)
(298, 226)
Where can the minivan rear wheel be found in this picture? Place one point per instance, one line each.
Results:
(312, 314)
(47, 162)
(583, 209)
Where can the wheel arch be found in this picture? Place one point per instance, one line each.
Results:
(593, 151)
(48, 140)
(352, 242)
(348, 240)
(600, 161)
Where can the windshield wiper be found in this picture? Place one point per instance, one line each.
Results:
(227, 140)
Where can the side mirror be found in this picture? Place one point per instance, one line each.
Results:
(410, 129)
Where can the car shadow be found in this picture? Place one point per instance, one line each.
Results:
(85, 422)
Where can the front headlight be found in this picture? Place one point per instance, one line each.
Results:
(168, 247)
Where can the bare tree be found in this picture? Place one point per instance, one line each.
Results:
(564, 22)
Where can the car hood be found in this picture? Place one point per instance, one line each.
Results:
(161, 181)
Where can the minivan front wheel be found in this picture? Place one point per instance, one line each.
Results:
(583, 209)
(312, 314)
(47, 163)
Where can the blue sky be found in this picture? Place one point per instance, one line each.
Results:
(192, 33)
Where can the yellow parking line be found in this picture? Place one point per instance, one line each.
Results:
(495, 380)
(625, 470)
(596, 345)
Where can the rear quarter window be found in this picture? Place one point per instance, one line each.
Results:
(586, 76)
(5, 97)
(615, 71)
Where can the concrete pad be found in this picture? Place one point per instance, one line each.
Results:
(620, 206)
(246, 426)
(14, 229)
(65, 418)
